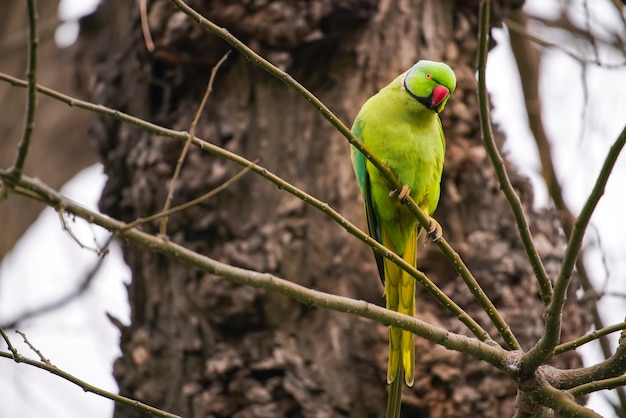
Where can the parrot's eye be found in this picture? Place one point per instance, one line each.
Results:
(428, 76)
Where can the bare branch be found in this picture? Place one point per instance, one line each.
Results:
(73, 236)
(498, 163)
(514, 26)
(35, 349)
(573, 345)
(527, 62)
(31, 102)
(18, 358)
(6, 339)
(562, 403)
(612, 367)
(63, 300)
(186, 205)
(145, 24)
(605, 384)
(183, 153)
(565, 23)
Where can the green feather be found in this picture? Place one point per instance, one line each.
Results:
(401, 126)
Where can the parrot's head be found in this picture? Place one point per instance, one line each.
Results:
(430, 83)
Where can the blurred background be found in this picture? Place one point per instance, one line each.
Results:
(59, 292)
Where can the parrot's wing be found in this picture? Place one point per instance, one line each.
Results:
(373, 225)
(358, 160)
(374, 228)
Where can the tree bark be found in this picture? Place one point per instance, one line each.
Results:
(201, 346)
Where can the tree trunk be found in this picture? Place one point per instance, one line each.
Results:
(201, 346)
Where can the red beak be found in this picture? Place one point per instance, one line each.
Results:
(438, 95)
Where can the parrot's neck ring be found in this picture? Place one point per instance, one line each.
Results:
(426, 101)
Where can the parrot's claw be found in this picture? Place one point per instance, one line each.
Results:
(402, 194)
(435, 232)
(406, 191)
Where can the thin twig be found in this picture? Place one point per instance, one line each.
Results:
(521, 221)
(31, 101)
(218, 189)
(35, 349)
(63, 300)
(565, 23)
(88, 387)
(183, 153)
(145, 24)
(527, 62)
(574, 344)
(590, 387)
(71, 234)
(12, 349)
(514, 26)
(443, 299)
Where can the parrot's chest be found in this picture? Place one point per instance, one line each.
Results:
(416, 159)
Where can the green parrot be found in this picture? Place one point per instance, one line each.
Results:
(400, 125)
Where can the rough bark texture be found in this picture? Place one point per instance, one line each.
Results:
(60, 146)
(201, 346)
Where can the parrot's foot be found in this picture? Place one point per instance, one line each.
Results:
(435, 232)
(402, 194)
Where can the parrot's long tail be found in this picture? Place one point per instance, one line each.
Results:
(394, 398)
(400, 297)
